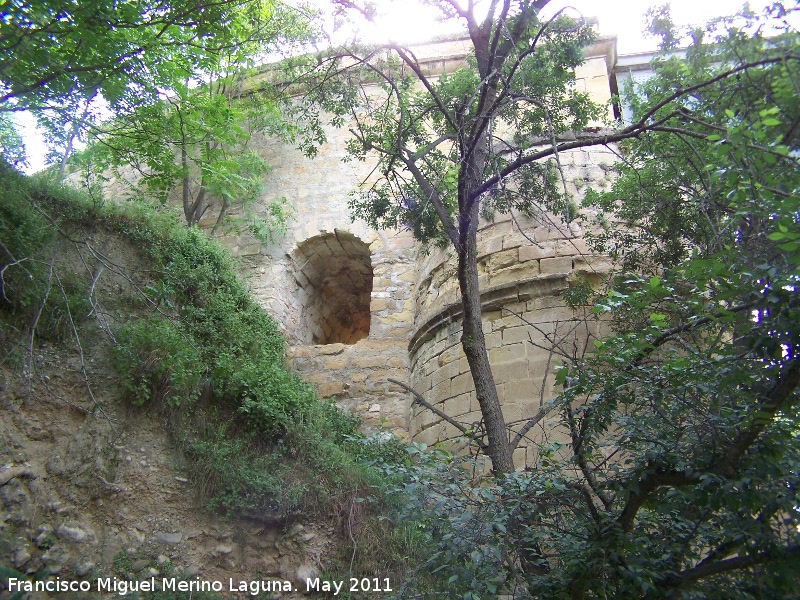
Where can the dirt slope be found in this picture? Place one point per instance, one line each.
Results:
(91, 487)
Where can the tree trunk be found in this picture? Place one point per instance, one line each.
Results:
(471, 173)
(474, 344)
(186, 187)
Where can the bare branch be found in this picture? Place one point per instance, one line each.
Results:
(420, 400)
(703, 571)
(632, 131)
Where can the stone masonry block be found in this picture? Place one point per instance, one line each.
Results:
(423, 384)
(511, 371)
(494, 340)
(539, 369)
(461, 384)
(506, 353)
(517, 335)
(407, 276)
(557, 313)
(377, 304)
(519, 458)
(331, 349)
(521, 391)
(513, 241)
(333, 388)
(444, 373)
(531, 252)
(427, 436)
(555, 265)
(397, 318)
(381, 376)
(512, 412)
(335, 363)
(472, 418)
(439, 393)
(318, 378)
(500, 260)
(449, 355)
(397, 362)
(492, 315)
(428, 418)
(593, 264)
(368, 361)
(458, 406)
(448, 432)
(545, 302)
(490, 247)
(515, 273)
(572, 247)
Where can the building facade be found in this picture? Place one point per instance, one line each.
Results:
(359, 306)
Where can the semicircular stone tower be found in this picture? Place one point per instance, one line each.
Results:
(360, 307)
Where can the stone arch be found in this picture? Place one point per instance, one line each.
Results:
(334, 274)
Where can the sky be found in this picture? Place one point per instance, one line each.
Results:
(408, 21)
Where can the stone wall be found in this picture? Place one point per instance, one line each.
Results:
(341, 292)
(360, 306)
(524, 265)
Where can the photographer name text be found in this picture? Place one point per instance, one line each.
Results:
(123, 587)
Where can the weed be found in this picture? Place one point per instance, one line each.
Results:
(122, 563)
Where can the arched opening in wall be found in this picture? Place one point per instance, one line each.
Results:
(334, 272)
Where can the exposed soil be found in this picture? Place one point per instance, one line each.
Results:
(97, 488)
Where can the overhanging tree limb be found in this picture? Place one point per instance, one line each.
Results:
(728, 464)
(629, 132)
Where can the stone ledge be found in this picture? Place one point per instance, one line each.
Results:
(492, 298)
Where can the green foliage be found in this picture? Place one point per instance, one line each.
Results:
(430, 129)
(199, 350)
(122, 563)
(155, 363)
(8, 573)
(12, 150)
(208, 337)
(23, 229)
(320, 461)
(33, 295)
(198, 142)
(57, 52)
(239, 477)
(716, 158)
(65, 62)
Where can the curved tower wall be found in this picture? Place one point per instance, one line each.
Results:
(524, 265)
(413, 327)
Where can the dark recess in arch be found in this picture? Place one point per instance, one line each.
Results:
(334, 271)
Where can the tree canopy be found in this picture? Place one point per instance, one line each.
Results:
(171, 74)
(197, 141)
(59, 50)
(74, 63)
